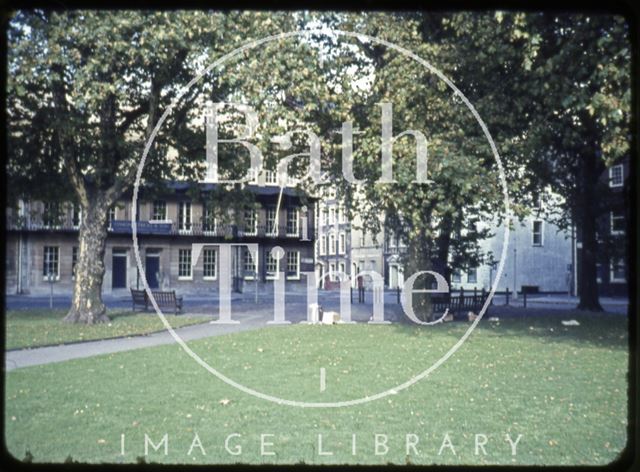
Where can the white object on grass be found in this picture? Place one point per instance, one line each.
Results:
(330, 317)
(314, 313)
(570, 323)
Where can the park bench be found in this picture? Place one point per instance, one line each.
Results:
(139, 299)
(460, 305)
(163, 300)
(168, 300)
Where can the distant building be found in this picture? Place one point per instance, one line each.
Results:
(42, 239)
(612, 231)
(538, 259)
(367, 252)
(333, 241)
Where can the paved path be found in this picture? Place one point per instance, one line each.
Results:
(250, 315)
(245, 310)
(48, 355)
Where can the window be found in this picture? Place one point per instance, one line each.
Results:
(342, 268)
(272, 266)
(210, 264)
(332, 271)
(455, 277)
(362, 238)
(250, 222)
(184, 263)
(76, 215)
(617, 272)
(184, 216)
(292, 222)
(342, 217)
(51, 262)
(270, 177)
(323, 245)
(325, 217)
(332, 216)
(332, 244)
(617, 222)
(342, 242)
(293, 265)
(159, 212)
(392, 239)
(472, 276)
(537, 233)
(616, 176)
(51, 215)
(74, 260)
(272, 224)
(249, 264)
(209, 223)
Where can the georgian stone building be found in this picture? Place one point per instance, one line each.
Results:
(333, 243)
(178, 243)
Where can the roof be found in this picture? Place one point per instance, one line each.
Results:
(180, 186)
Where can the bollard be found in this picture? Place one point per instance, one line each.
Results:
(507, 294)
(398, 293)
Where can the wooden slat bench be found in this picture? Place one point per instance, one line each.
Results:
(163, 299)
(139, 298)
(460, 305)
(168, 300)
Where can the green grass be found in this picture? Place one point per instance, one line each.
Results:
(563, 388)
(38, 327)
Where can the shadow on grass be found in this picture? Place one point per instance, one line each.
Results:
(603, 330)
(59, 314)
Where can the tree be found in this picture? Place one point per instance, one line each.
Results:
(85, 90)
(580, 78)
(438, 220)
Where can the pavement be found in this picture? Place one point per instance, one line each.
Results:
(250, 314)
(244, 309)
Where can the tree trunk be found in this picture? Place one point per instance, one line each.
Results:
(587, 215)
(419, 259)
(87, 306)
(443, 244)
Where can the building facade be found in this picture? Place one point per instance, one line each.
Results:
(178, 238)
(539, 258)
(612, 230)
(333, 242)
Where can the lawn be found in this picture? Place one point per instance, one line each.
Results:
(563, 389)
(41, 327)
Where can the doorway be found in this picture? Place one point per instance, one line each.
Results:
(152, 267)
(119, 269)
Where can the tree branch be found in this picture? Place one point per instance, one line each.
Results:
(122, 182)
(65, 140)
